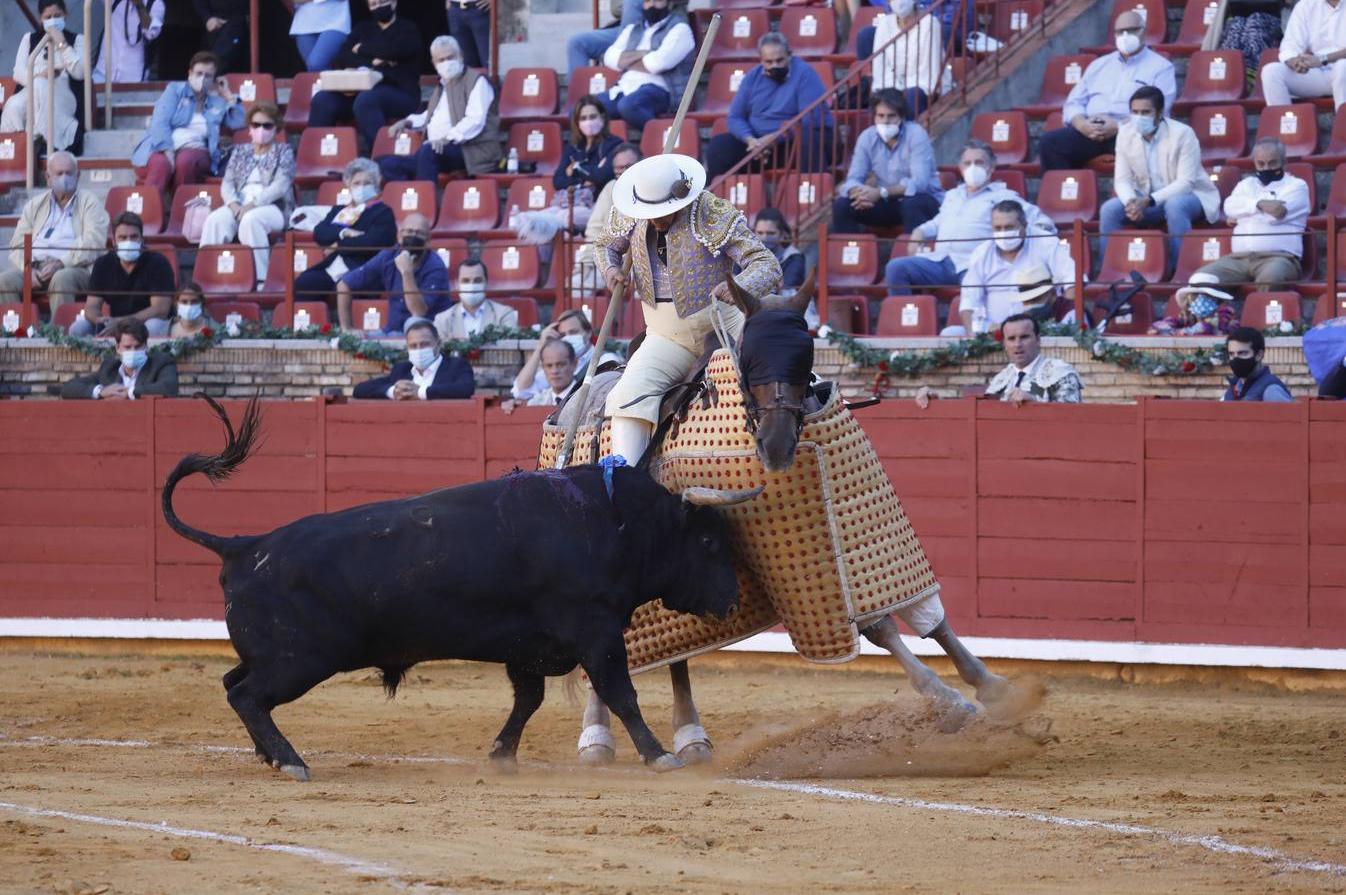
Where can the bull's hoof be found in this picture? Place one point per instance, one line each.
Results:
(664, 763)
(597, 747)
(297, 771)
(692, 745)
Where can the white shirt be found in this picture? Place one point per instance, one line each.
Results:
(439, 125)
(474, 320)
(1257, 231)
(69, 61)
(539, 383)
(128, 45)
(1315, 27)
(57, 235)
(1153, 167)
(129, 382)
(990, 280)
(914, 59)
(677, 44)
(423, 379)
(547, 397)
(194, 134)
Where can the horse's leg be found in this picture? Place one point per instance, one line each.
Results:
(991, 688)
(596, 745)
(958, 711)
(690, 742)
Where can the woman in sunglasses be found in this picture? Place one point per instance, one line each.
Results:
(258, 190)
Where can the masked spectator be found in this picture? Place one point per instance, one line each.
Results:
(226, 24)
(190, 313)
(461, 124)
(571, 327)
(990, 293)
(470, 25)
(1251, 380)
(355, 232)
(589, 46)
(67, 48)
(913, 59)
(426, 374)
(1312, 60)
(133, 372)
(412, 277)
(474, 312)
(1203, 309)
(774, 233)
(319, 28)
(182, 143)
(69, 230)
(134, 24)
(585, 278)
(128, 283)
(586, 167)
(389, 45)
(897, 154)
(655, 58)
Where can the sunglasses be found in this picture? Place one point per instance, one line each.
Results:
(264, 125)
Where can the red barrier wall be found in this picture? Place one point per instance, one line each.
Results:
(1164, 521)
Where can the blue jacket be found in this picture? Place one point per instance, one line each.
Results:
(453, 379)
(762, 105)
(174, 109)
(380, 275)
(1263, 385)
(377, 224)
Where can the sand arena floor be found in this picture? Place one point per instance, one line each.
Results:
(1145, 788)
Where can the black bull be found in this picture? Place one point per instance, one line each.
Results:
(540, 571)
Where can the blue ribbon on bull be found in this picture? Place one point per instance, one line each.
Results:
(609, 463)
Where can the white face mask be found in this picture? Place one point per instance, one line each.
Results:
(904, 8)
(189, 312)
(449, 68)
(128, 251)
(1008, 240)
(975, 176)
(363, 192)
(135, 358)
(472, 294)
(421, 358)
(577, 342)
(1127, 43)
(196, 82)
(887, 131)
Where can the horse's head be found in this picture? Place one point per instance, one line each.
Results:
(776, 359)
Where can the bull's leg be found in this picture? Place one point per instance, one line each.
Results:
(606, 668)
(957, 710)
(596, 745)
(991, 688)
(690, 742)
(529, 689)
(258, 692)
(231, 679)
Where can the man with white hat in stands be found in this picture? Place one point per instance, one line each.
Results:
(684, 242)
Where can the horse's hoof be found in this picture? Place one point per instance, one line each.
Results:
(596, 746)
(955, 714)
(597, 756)
(664, 763)
(696, 753)
(993, 690)
(505, 764)
(692, 745)
(297, 771)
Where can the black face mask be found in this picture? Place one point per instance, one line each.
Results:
(414, 244)
(385, 14)
(777, 74)
(1269, 176)
(654, 15)
(1243, 367)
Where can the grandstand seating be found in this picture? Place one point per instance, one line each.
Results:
(406, 197)
(908, 315)
(747, 192)
(852, 260)
(147, 203)
(316, 311)
(811, 31)
(1143, 251)
(510, 267)
(1199, 248)
(1005, 132)
(323, 154)
(537, 142)
(224, 270)
(185, 193)
(361, 318)
(407, 143)
(529, 194)
(1267, 310)
(1295, 125)
(252, 87)
(468, 206)
(219, 311)
(1062, 74)
(688, 142)
(1213, 76)
(1222, 131)
(525, 306)
(1011, 18)
(738, 34)
(302, 88)
(848, 313)
(529, 93)
(1065, 196)
(589, 79)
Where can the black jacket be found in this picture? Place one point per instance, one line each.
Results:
(453, 379)
(377, 224)
(159, 376)
(398, 48)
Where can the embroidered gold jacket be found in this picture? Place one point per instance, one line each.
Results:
(706, 240)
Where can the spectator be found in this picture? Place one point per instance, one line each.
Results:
(771, 94)
(1270, 212)
(1159, 178)
(68, 50)
(355, 232)
(461, 124)
(559, 365)
(586, 167)
(133, 372)
(470, 25)
(258, 190)
(182, 143)
(774, 233)
(412, 277)
(963, 223)
(390, 46)
(914, 54)
(128, 282)
(897, 153)
(1203, 310)
(585, 278)
(134, 24)
(191, 319)
(426, 374)
(1100, 102)
(319, 29)
(655, 59)
(571, 327)
(1312, 58)
(1028, 376)
(226, 24)
(69, 230)
(1252, 380)
(588, 47)
(474, 312)
(990, 292)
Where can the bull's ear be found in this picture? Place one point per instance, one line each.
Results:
(746, 301)
(799, 302)
(718, 497)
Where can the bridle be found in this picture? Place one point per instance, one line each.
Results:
(753, 411)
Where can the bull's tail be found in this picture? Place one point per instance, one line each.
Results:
(217, 468)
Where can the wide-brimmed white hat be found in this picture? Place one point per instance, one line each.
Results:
(1201, 284)
(658, 186)
(1035, 284)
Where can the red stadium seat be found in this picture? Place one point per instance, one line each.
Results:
(589, 79)
(738, 34)
(252, 87)
(1222, 131)
(144, 201)
(1213, 76)
(725, 78)
(406, 197)
(302, 88)
(316, 311)
(67, 312)
(799, 195)
(1197, 16)
(825, 72)
(510, 267)
(1269, 55)
(1065, 196)
(19, 319)
(1304, 171)
(527, 308)
(1140, 250)
(1010, 19)
(852, 260)
(323, 154)
(746, 192)
(1336, 200)
(407, 143)
(811, 31)
(184, 193)
(369, 314)
(529, 194)
(1266, 310)
(468, 206)
(224, 270)
(1199, 248)
(1295, 125)
(1062, 74)
(908, 315)
(1006, 132)
(656, 132)
(1136, 320)
(864, 18)
(283, 263)
(170, 254)
(538, 142)
(219, 311)
(848, 314)
(452, 252)
(528, 93)
(13, 159)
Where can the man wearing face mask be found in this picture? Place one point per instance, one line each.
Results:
(1100, 102)
(426, 374)
(655, 58)
(133, 372)
(770, 95)
(963, 224)
(990, 292)
(1312, 59)
(1269, 211)
(412, 278)
(1159, 179)
(571, 327)
(389, 45)
(128, 283)
(1252, 381)
(896, 154)
(69, 230)
(461, 124)
(474, 312)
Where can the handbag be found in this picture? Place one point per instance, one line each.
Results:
(194, 220)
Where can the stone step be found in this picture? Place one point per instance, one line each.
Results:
(111, 144)
(546, 47)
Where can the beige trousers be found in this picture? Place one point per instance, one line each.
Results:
(65, 284)
(1262, 268)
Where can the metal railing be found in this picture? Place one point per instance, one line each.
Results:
(44, 44)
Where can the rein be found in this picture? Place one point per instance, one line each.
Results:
(752, 410)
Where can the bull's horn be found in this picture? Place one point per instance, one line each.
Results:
(799, 302)
(746, 301)
(719, 497)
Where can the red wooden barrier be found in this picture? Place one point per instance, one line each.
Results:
(1164, 521)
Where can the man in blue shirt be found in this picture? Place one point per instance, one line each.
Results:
(1101, 100)
(412, 277)
(770, 95)
(896, 153)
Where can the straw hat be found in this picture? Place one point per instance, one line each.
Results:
(1201, 284)
(658, 186)
(1035, 284)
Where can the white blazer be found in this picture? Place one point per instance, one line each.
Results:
(1179, 157)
